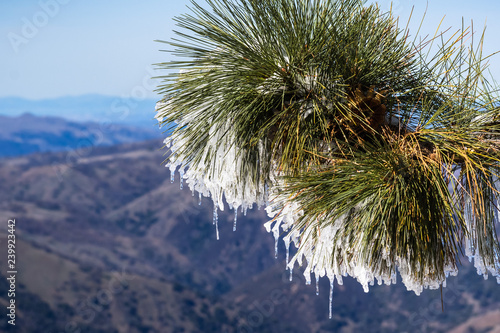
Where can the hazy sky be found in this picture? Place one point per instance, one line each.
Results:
(52, 48)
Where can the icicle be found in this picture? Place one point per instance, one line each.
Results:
(216, 221)
(287, 245)
(172, 175)
(287, 254)
(317, 283)
(291, 274)
(181, 173)
(235, 218)
(217, 229)
(331, 297)
(199, 201)
(215, 213)
(340, 282)
(308, 278)
(276, 248)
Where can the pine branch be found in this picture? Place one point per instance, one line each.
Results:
(372, 153)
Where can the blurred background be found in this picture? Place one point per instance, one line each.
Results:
(105, 243)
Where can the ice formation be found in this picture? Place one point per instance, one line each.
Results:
(222, 181)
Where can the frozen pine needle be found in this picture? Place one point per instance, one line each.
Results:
(340, 150)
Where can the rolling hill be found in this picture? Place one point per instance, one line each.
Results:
(107, 244)
(28, 133)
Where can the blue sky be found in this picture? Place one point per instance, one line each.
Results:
(52, 48)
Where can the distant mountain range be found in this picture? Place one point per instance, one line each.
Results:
(28, 133)
(105, 243)
(96, 108)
